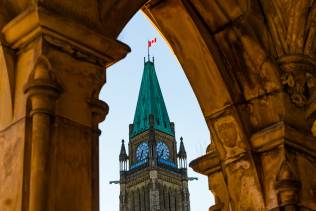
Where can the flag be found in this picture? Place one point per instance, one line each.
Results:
(151, 42)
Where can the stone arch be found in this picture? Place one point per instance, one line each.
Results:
(250, 63)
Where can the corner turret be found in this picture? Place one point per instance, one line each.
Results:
(182, 156)
(123, 158)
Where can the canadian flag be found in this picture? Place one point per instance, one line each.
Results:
(151, 42)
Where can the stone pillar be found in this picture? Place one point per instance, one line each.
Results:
(142, 199)
(124, 200)
(178, 199)
(58, 74)
(210, 165)
(99, 110)
(287, 163)
(137, 199)
(238, 165)
(185, 195)
(161, 195)
(147, 200)
(172, 200)
(42, 91)
(131, 201)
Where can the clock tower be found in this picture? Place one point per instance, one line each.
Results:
(153, 176)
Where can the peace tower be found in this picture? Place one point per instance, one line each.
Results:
(153, 176)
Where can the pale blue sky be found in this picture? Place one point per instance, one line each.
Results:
(121, 92)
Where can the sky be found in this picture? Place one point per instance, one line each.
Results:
(121, 92)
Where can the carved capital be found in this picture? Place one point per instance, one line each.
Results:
(99, 110)
(298, 78)
(42, 87)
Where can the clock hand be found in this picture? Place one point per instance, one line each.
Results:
(161, 153)
(141, 154)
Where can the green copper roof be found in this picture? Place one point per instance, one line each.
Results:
(150, 101)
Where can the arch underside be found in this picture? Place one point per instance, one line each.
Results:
(251, 65)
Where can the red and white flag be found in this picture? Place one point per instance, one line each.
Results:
(151, 42)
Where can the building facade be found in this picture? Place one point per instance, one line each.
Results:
(251, 65)
(153, 176)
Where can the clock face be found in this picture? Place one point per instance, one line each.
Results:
(162, 150)
(142, 151)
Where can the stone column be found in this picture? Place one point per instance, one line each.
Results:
(210, 165)
(42, 91)
(141, 199)
(172, 200)
(99, 111)
(124, 197)
(59, 70)
(137, 199)
(131, 203)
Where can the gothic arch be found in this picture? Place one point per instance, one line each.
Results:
(251, 65)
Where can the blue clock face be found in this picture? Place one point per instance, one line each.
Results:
(142, 151)
(162, 150)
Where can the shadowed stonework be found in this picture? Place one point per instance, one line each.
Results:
(251, 64)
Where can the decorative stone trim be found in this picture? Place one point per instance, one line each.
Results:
(298, 78)
(64, 33)
(279, 134)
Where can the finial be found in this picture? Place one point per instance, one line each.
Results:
(122, 141)
(181, 139)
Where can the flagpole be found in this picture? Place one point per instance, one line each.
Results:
(148, 49)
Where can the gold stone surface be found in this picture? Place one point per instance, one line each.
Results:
(251, 65)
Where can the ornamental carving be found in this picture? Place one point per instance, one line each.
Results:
(228, 133)
(298, 78)
(76, 52)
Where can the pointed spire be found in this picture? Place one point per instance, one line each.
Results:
(150, 102)
(182, 153)
(123, 155)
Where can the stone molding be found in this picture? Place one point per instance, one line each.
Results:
(283, 134)
(63, 33)
(207, 164)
